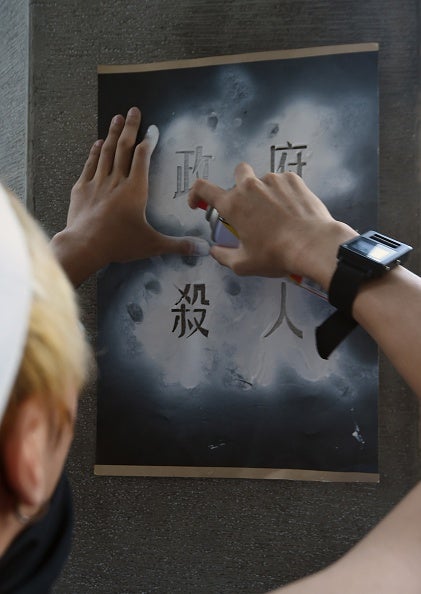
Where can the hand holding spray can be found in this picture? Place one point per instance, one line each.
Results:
(225, 235)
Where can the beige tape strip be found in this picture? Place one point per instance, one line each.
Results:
(241, 58)
(244, 473)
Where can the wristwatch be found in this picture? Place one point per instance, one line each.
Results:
(364, 257)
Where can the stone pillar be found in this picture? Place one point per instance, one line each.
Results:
(14, 74)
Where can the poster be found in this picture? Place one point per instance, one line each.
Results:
(203, 373)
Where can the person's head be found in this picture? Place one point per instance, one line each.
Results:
(47, 368)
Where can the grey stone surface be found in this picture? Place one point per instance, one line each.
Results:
(200, 536)
(14, 72)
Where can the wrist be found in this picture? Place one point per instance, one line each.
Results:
(361, 261)
(369, 256)
(319, 255)
(75, 255)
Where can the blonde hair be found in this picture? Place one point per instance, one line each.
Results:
(56, 354)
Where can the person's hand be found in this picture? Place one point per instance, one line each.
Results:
(106, 221)
(283, 227)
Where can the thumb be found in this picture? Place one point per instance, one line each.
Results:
(186, 246)
(226, 256)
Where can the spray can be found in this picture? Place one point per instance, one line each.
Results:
(224, 234)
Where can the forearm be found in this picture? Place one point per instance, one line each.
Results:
(389, 309)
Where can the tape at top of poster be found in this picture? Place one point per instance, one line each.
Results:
(238, 58)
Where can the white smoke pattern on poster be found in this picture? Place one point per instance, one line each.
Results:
(241, 311)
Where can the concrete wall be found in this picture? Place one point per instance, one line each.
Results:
(14, 72)
(212, 536)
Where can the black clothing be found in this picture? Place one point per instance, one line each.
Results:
(34, 559)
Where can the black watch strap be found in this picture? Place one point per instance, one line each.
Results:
(345, 285)
(332, 332)
(343, 289)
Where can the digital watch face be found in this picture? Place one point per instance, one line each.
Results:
(371, 249)
(379, 249)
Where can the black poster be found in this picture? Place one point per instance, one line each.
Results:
(201, 372)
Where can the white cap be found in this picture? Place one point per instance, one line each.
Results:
(15, 297)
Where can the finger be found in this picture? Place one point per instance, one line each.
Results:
(126, 143)
(187, 246)
(91, 163)
(154, 243)
(106, 159)
(225, 256)
(142, 157)
(242, 172)
(203, 190)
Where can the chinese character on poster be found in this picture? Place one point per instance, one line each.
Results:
(201, 372)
